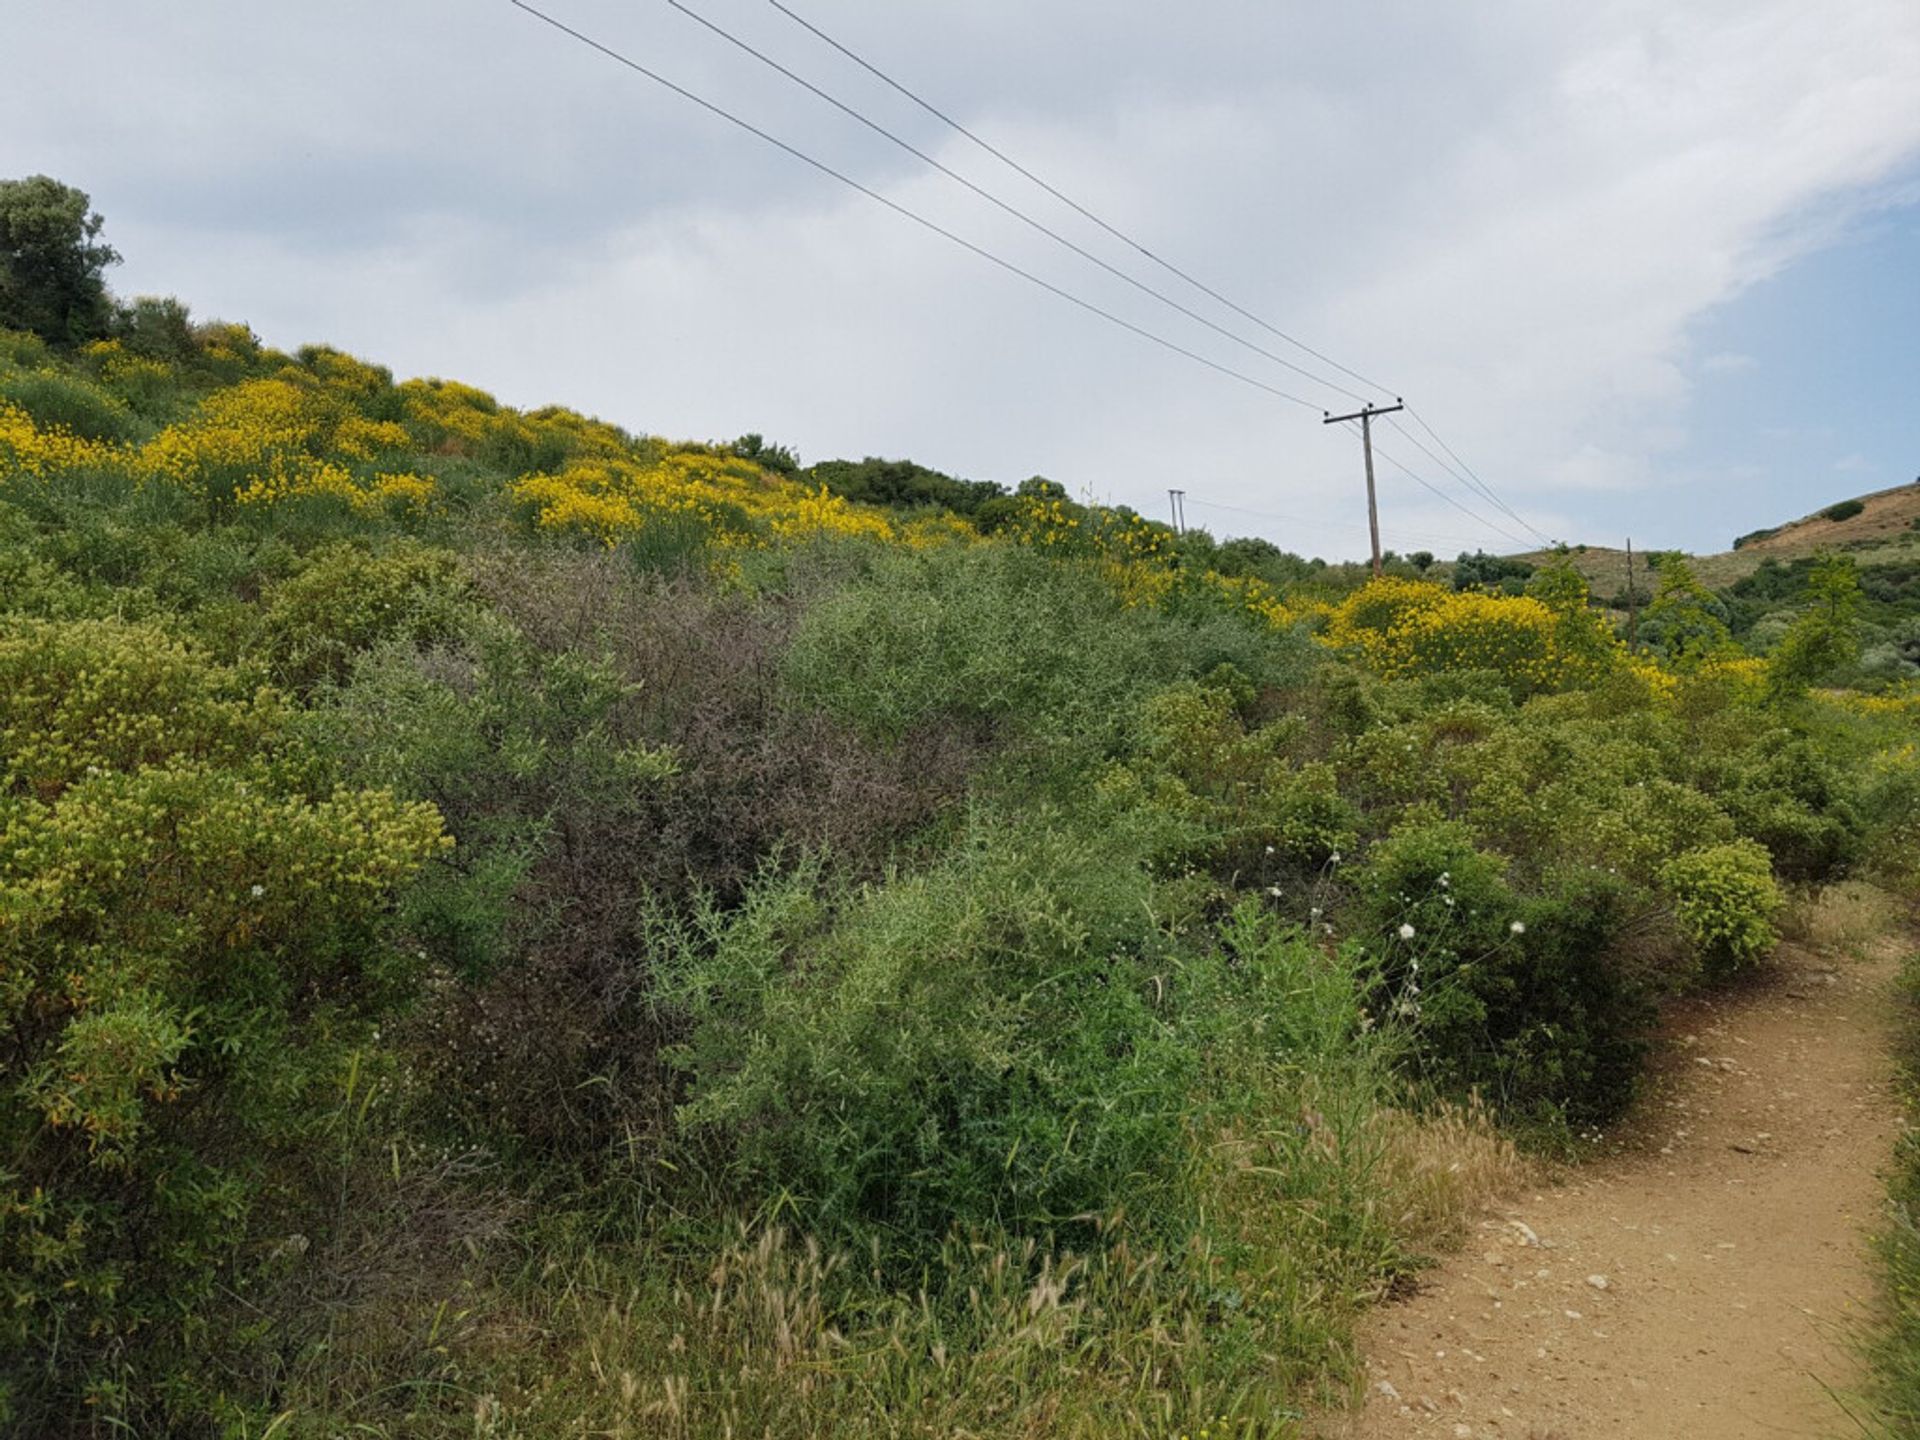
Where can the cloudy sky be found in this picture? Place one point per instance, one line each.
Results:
(1651, 267)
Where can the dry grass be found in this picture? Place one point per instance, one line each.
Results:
(1844, 919)
(1444, 1169)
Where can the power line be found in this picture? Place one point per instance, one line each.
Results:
(903, 210)
(1469, 478)
(992, 199)
(1421, 480)
(1073, 204)
(944, 118)
(968, 245)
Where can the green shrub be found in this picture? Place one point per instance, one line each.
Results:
(993, 1040)
(94, 695)
(1725, 898)
(1523, 998)
(346, 600)
(995, 637)
(188, 955)
(1845, 510)
(66, 402)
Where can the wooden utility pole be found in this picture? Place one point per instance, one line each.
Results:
(1365, 416)
(1633, 604)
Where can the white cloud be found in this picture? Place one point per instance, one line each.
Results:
(1515, 213)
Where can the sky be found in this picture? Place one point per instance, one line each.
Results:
(1649, 269)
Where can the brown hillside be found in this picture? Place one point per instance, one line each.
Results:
(1883, 528)
(1889, 514)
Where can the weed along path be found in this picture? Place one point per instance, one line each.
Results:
(1702, 1280)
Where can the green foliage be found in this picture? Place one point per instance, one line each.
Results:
(188, 954)
(1521, 997)
(1481, 571)
(345, 600)
(1824, 638)
(1725, 899)
(77, 699)
(1686, 623)
(990, 1040)
(1892, 1346)
(52, 261)
(1845, 510)
(778, 458)
(67, 402)
(999, 639)
(902, 485)
(156, 327)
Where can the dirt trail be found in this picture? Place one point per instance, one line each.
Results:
(1698, 1283)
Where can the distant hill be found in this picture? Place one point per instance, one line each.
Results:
(1881, 529)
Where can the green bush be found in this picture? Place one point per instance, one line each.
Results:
(346, 600)
(66, 402)
(188, 957)
(1725, 898)
(1845, 510)
(993, 1040)
(1011, 642)
(1523, 998)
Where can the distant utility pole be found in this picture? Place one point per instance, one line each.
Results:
(1365, 416)
(1633, 604)
(1177, 499)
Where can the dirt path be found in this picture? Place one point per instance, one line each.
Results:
(1698, 1283)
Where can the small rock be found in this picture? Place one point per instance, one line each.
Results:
(1385, 1387)
(1575, 1315)
(1740, 1149)
(1599, 1282)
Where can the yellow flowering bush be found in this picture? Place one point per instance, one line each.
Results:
(190, 952)
(31, 452)
(85, 696)
(1407, 628)
(612, 500)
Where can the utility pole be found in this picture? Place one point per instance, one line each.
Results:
(1633, 604)
(1365, 416)
(1177, 500)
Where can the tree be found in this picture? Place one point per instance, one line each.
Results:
(1687, 623)
(1824, 637)
(1481, 571)
(52, 262)
(778, 458)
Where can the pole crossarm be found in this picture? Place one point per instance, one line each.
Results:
(1366, 412)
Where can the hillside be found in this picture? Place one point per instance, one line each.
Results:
(1886, 529)
(512, 927)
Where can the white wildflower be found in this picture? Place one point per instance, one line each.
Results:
(1274, 890)
(1406, 931)
(258, 891)
(1518, 927)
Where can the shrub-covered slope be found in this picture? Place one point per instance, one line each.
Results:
(509, 927)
